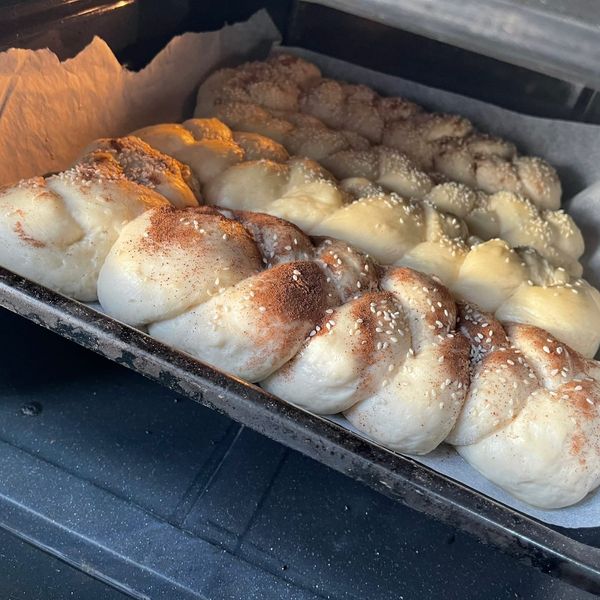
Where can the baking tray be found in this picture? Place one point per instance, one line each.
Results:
(399, 477)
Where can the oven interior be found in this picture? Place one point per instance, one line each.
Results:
(127, 478)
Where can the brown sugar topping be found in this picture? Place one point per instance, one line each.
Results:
(97, 165)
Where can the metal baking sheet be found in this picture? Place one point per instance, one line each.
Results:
(401, 478)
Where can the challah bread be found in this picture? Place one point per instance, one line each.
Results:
(138, 162)
(347, 326)
(531, 420)
(208, 146)
(446, 143)
(508, 215)
(57, 231)
(324, 327)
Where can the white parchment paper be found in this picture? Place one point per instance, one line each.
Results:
(50, 110)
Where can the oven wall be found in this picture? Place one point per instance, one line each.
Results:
(436, 64)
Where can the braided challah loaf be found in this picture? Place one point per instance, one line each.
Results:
(58, 230)
(436, 142)
(508, 215)
(323, 326)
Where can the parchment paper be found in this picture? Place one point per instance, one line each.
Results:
(50, 110)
